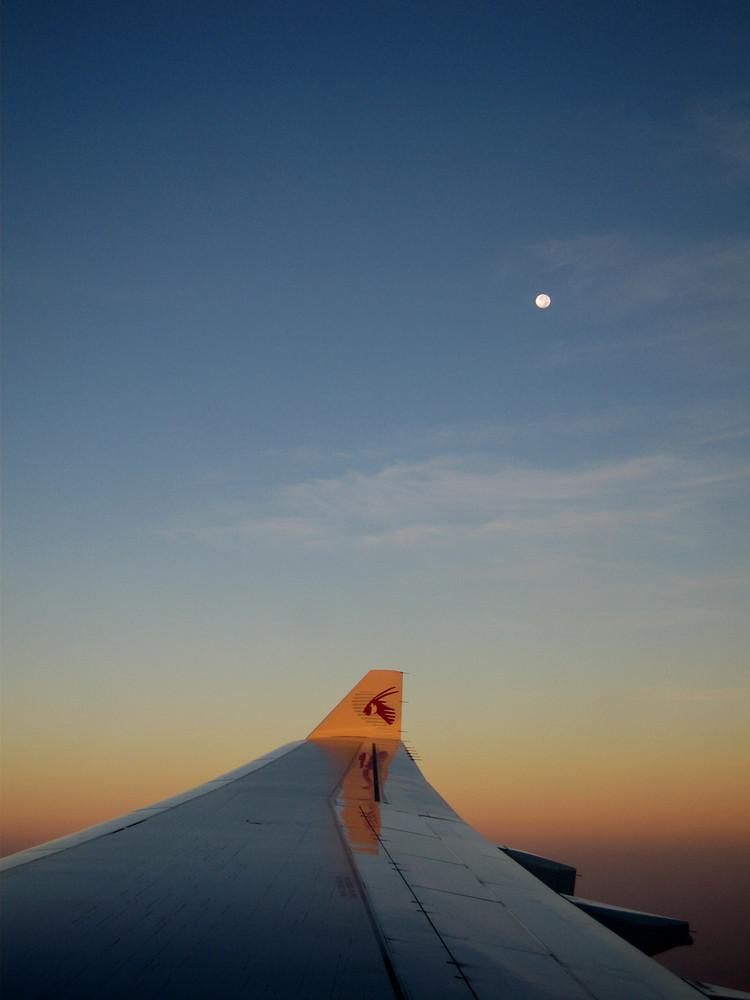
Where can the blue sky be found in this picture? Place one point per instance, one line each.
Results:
(279, 407)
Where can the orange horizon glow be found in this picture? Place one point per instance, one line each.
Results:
(517, 808)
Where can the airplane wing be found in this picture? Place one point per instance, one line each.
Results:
(329, 868)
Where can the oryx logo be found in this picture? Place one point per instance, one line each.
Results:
(378, 705)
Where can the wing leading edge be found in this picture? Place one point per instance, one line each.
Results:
(330, 868)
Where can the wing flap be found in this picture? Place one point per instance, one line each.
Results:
(489, 926)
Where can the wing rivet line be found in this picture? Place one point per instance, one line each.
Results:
(451, 959)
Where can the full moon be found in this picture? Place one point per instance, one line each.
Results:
(542, 301)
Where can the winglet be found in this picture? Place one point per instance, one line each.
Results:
(371, 709)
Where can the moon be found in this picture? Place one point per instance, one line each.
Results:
(543, 300)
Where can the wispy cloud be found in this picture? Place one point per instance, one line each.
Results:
(613, 275)
(478, 500)
(723, 126)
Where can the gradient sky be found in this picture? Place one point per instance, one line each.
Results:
(279, 408)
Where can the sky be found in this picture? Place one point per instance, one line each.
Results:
(279, 408)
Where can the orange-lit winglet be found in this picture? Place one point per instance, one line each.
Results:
(372, 708)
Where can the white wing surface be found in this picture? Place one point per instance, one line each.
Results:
(328, 869)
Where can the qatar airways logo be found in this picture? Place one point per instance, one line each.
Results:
(380, 707)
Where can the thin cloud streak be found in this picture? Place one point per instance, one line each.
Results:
(459, 500)
(614, 274)
(686, 427)
(724, 126)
